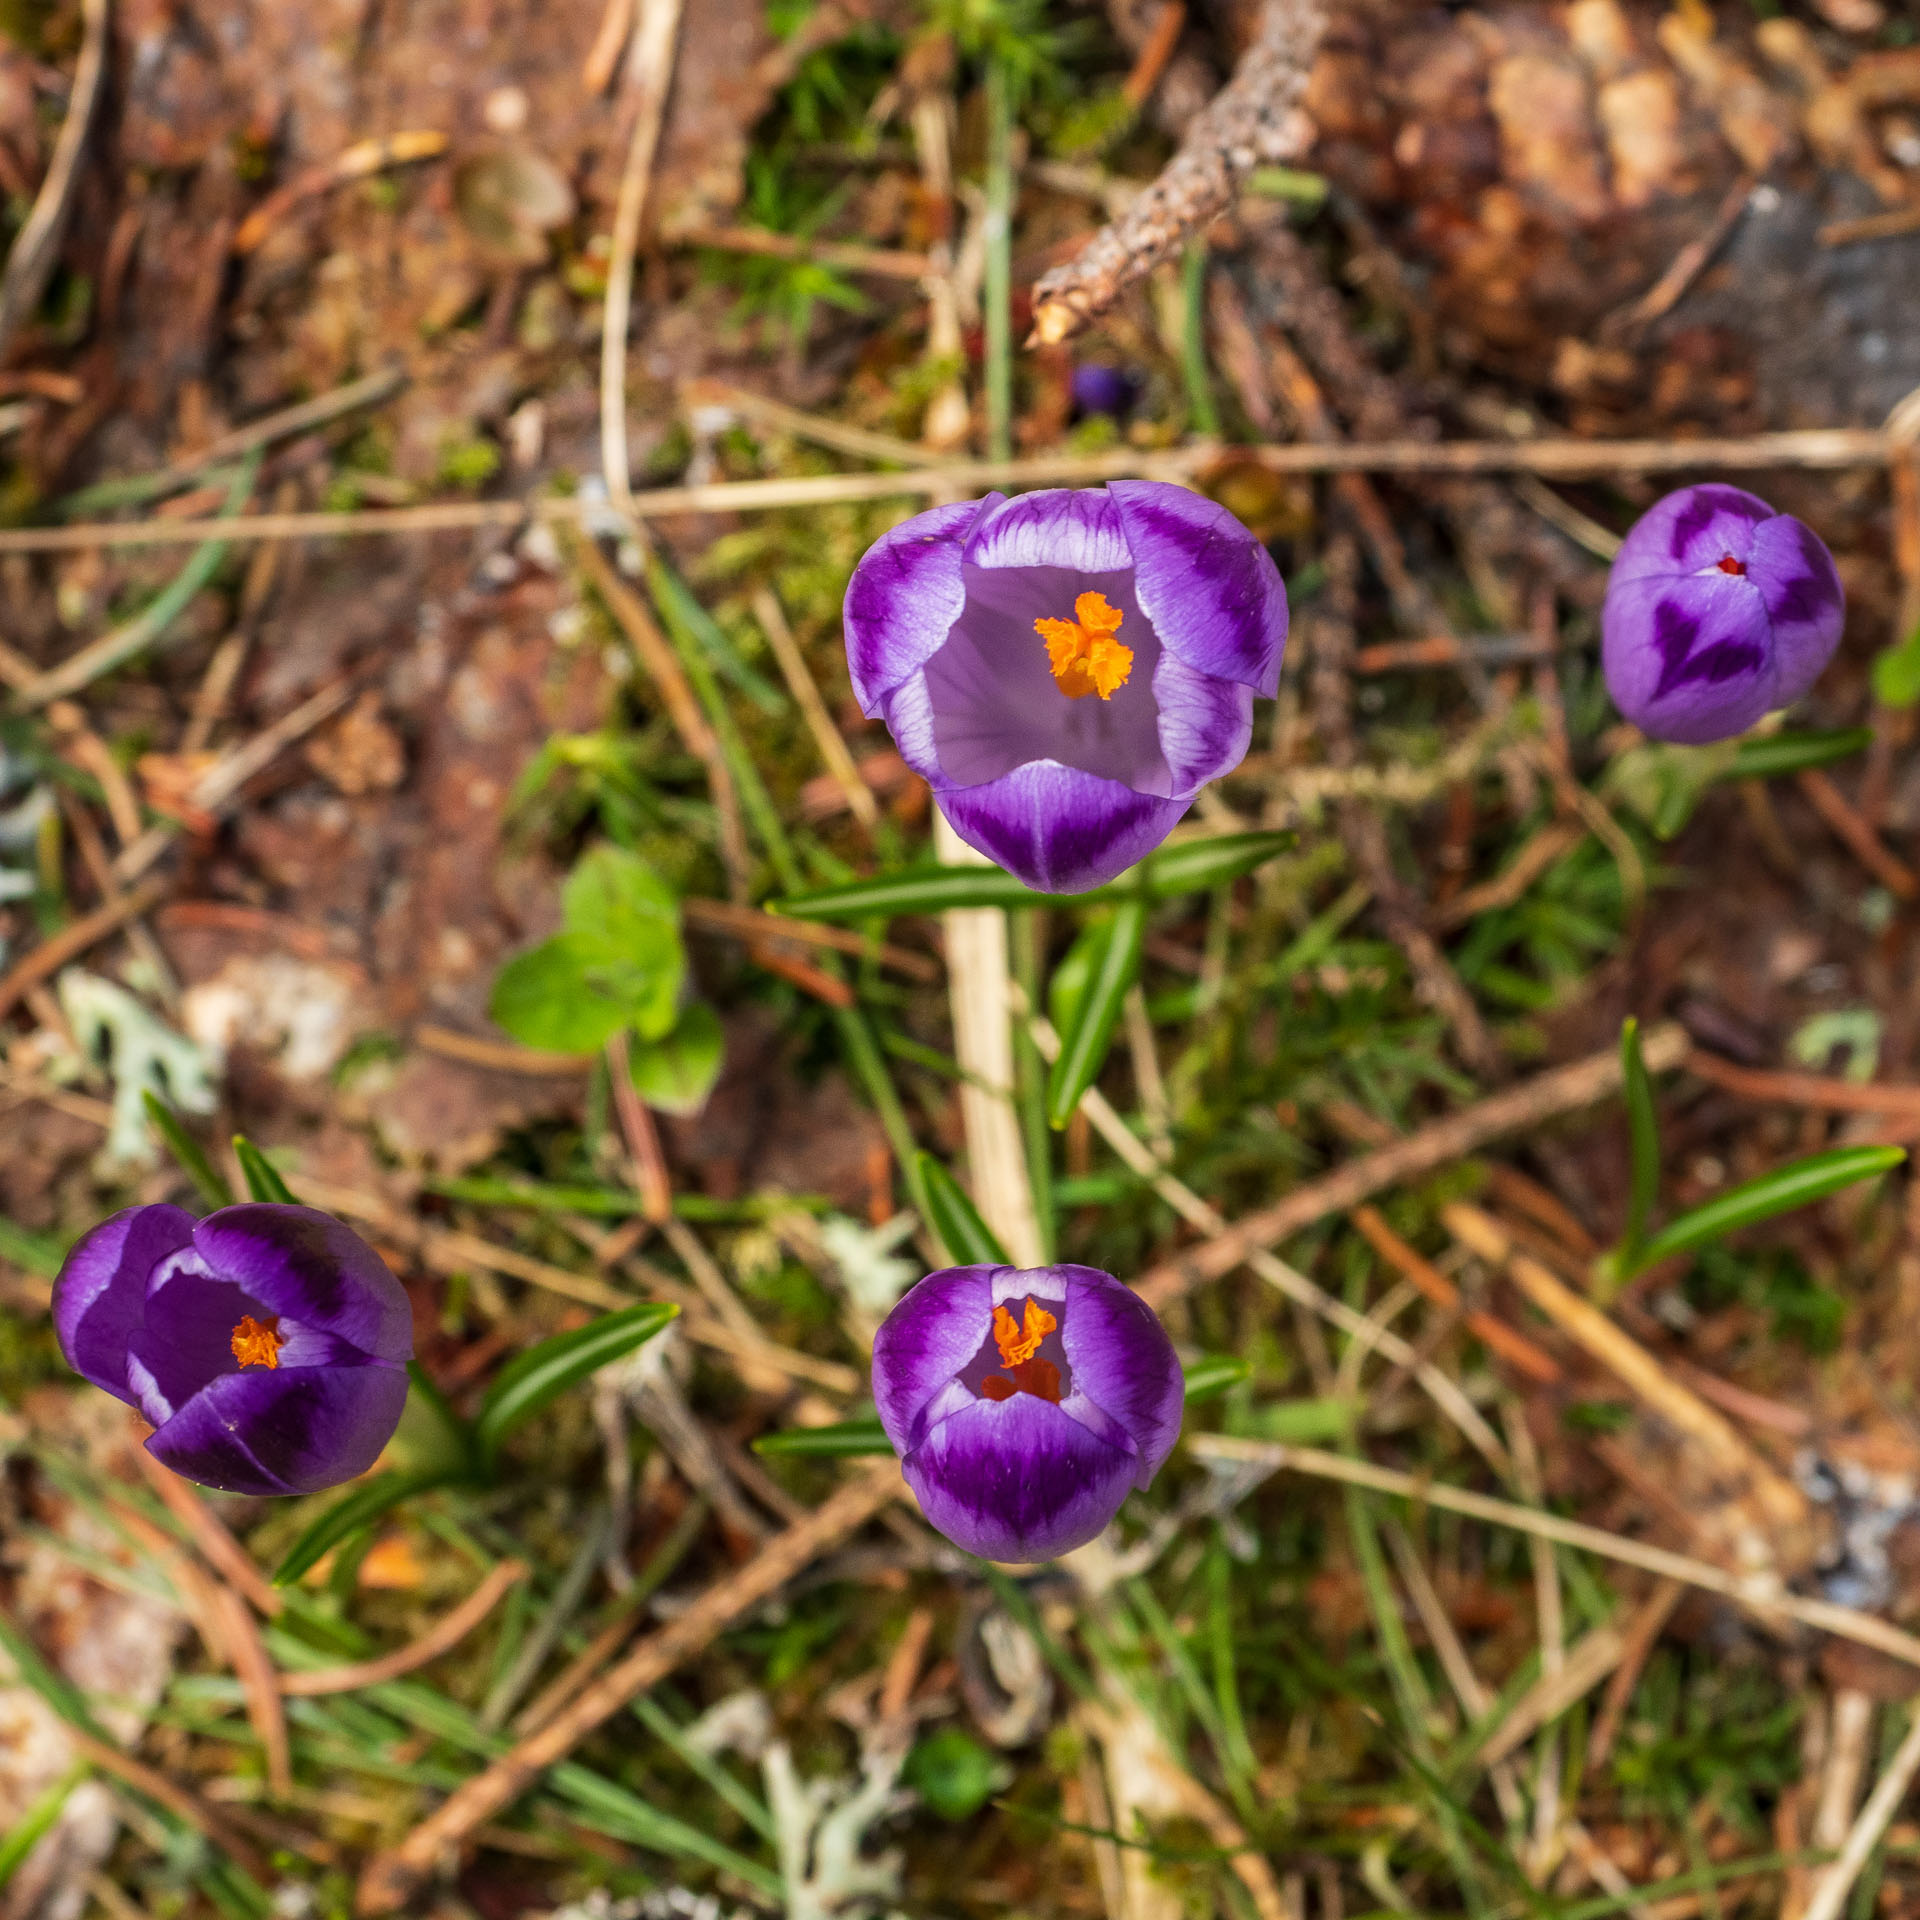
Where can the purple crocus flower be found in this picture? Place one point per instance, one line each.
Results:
(1718, 610)
(1068, 669)
(268, 1344)
(1025, 1404)
(1099, 387)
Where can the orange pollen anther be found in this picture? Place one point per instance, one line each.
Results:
(1082, 652)
(255, 1344)
(1021, 1343)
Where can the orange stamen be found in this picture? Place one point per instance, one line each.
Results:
(255, 1344)
(1082, 653)
(1730, 565)
(1020, 1343)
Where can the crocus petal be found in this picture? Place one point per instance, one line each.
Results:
(1060, 830)
(1073, 527)
(1206, 724)
(1690, 531)
(280, 1430)
(1209, 587)
(1017, 1479)
(1124, 1363)
(99, 1300)
(305, 1266)
(1688, 659)
(923, 1343)
(1794, 574)
(188, 1336)
(904, 597)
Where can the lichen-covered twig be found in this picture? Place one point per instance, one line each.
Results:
(1256, 119)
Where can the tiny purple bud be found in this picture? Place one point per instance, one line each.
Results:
(1068, 669)
(267, 1344)
(1718, 611)
(1100, 388)
(1025, 1404)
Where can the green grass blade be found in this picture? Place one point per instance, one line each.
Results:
(33, 1825)
(545, 1371)
(1643, 1139)
(1214, 1374)
(208, 1181)
(1798, 1185)
(367, 1503)
(968, 1239)
(262, 1177)
(1794, 752)
(1083, 1047)
(840, 1441)
(37, 1253)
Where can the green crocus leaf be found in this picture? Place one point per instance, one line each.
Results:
(1795, 752)
(1214, 1374)
(1083, 1046)
(955, 1220)
(369, 1502)
(209, 1182)
(839, 1441)
(262, 1176)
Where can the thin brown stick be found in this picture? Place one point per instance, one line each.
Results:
(497, 1055)
(603, 57)
(1545, 850)
(1492, 1332)
(806, 693)
(217, 1546)
(391, 1878)
(862, 442)
(650, 61)
(1859, 839)
(440, 1638)
(1870, 226)
(1758, 1593)
(358, 162)
(750, 923)
(70, 942)
(154, 1785)
(1834, 1886)
(1820, 448)
(1687, 266)
(886, 263)
(36, 249)
(651, 1179)
(1815, 1090)
(1515, 1110)
(1255, 118)
(1168, 25)
(1643, 1633)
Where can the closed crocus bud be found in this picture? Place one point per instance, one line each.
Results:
(1101, 388)
(1025, 1404)
(267, 1344)
(1068, 669)
(1718, 611)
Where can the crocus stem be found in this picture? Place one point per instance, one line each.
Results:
(1027, 931)
(997, 291)
(983, 1044)
(642, 1137)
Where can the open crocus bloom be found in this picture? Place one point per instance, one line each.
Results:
(1718, 611)
(1025, 1404)
(268, 1344)
(1068, 669)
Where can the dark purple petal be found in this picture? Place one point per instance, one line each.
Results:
(1074, 528)
(99, 1300)
(1691, 530)
(305, 1266)
(1206, 724)
(284, 1430)
(1794, 575)
(1017, 1479)
(904, 597)
(1209, 587)
(1098, 388)
(1060, 830)
(1124, 1363)
(923, 1344)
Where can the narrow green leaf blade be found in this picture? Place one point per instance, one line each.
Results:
(845, 1438)
(1643, 1140)
(1798, 1185)
(1214, 1374)
(1794, 752)
(39, 1254)
(372, 1500)
(263, 1178)
(955, 1220)
(208, 1181)
(545, 1371)
(33, 1825)
(1083, 1049)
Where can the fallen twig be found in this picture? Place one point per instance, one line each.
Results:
(887, 263)
(1815, 448)
(438, 1639)
(36, 249)
(1515, 1110)
(1815, 1090)
(1759, 1594)
(358, 162)
(70, 942)
(1837, 1882)
(390, 1878)
(1857, 836)
(1255, 119)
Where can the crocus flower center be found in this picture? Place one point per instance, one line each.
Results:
(1019, 1344)
(257, 1343)
(1728, 564)
(1082, 652)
